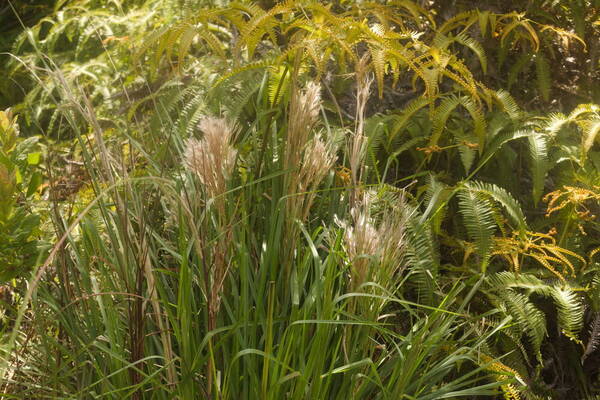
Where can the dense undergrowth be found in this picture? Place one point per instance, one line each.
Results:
(299, 200)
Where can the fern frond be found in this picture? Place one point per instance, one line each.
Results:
(422, 255)
(544, 81)
(209, 38)
(247, 67)
(238, 92)
(529, 282)
(583, 109)
(475, 46)
(461, 75)
(555, 122)
(483, 18)
(508, 103)
(478, 217)
(531, 320)
(570, 311)
(510, 390)
(501, 139)
(407, 113)
(590, 129)
(545, 261)
(519, 22)
(465, 149)
(505, 199)
(378, 61)
(538, 159)
(279, 82)
(463, 20)
(594, 340)
(416, 11)
(446, 107)
(435, 196)
(521, 65)
(260, 24)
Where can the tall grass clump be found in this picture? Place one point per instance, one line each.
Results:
(297, 200)
(232, 266)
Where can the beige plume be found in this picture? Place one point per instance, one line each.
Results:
(212, 158)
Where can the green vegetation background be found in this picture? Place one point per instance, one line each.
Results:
(299, 199)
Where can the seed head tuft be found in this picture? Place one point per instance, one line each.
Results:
(212, 157)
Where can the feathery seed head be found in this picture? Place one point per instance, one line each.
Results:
(304, 111)
(367, 242)
(309, 103)
(212, 158)
(317, 162)
(361, 238)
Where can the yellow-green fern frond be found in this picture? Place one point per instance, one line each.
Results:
(570, 312)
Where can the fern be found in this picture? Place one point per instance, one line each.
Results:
(585, 116)
(313, 34)
(570, 311)
(516, 21)
(378, 58)
(422, 255)
(505, 199)
(538, 159)
(474, 45)
(406, 115)
(584, 110)
(507, 103)
(590, 128)
(594, 339)
(529, 282)
(543, 75)
(555, 122)
(435, 197)
(569, 308)
(478, 218)
(501, 139)
(446, 107)
(520, 66)
(531, 320)
(467, 153)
